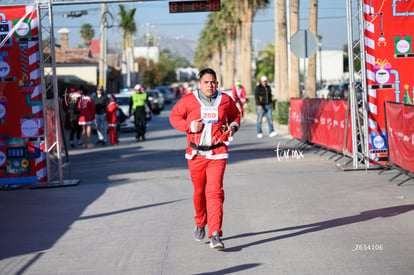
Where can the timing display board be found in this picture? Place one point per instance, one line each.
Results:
(194, 6)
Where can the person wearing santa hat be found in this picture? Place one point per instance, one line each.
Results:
(112, 120)
(239, 96)
(86, 117)
(209, 118)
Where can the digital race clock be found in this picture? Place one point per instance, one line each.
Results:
(194, 6)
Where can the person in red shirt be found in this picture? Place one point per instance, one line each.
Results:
(111, 119)
(210, 118)
(239, 96)
(86, 118)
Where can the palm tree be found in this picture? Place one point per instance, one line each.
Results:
(227, 21)
(87, 33)
(281, 62)
(128, 30)
(294, 61)
(311, 78)
(246, 10)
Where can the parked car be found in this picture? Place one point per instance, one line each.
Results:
(167, 92)
(344, 88)
(327, 90)
(123, 104)
(156, 100)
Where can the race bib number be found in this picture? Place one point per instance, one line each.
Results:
(209, 114)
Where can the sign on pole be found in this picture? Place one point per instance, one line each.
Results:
(304, 44)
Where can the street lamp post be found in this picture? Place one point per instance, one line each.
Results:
(102, 48)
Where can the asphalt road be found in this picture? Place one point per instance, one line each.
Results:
(289, 211)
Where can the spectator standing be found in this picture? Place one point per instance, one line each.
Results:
(101, 103)
(112, 120)
(137, 107)
(239, 96)
(263, 97)
(86, 118)
(208, 117)
(74, 112)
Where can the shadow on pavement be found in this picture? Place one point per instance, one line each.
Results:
(314, 227)
(230, 270)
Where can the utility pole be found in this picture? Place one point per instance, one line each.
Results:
(102, 50)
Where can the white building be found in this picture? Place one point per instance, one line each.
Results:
(329, 66)
(149, 53)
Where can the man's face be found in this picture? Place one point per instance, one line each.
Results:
(208, 85)
(99, 91)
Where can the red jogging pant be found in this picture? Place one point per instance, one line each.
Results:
(112, 134)
(207, 177)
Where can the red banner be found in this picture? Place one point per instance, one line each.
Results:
(400, 132)
(320, 121)
(21, 110)
(389, 61)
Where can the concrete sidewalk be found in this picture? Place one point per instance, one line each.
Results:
(133, 213)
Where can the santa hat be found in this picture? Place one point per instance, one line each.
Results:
(113, 98)
(77, 94)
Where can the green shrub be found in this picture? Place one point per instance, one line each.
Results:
(282, 112)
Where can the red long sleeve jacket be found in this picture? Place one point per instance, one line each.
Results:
(189, 108)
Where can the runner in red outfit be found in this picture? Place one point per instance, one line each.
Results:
(209, 118)
(111, 119)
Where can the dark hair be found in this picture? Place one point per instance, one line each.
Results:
(206, 71)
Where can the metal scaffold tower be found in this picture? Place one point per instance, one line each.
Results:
(57, 159)
(357, 79)
(56, 152)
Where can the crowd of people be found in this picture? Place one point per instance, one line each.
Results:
(84, 112)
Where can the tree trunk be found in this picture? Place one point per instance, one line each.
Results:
(311, 78)
(281, 54)
(245, 11)
(246, 77)
(294, 87)
(239, 57)
(228, 62)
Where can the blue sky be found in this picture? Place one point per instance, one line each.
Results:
(331, 23)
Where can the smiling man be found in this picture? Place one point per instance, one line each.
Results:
(208, 117)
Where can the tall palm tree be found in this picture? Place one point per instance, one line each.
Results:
(311, 78)
(246, 10)
(87, 33)
(294, 87)
(281, 61)
(227, 21)
(129, 28)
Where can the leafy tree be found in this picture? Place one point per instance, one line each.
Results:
(87, 33)
(129, 28)
(357, 61)
(265, 63)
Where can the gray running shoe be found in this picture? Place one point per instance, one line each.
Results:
(215, 241)
(199, 233)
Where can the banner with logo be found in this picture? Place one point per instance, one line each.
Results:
(400, 133)
(21, 110)
(390, 64)
(321, 122)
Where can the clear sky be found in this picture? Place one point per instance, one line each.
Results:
(331, 22)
